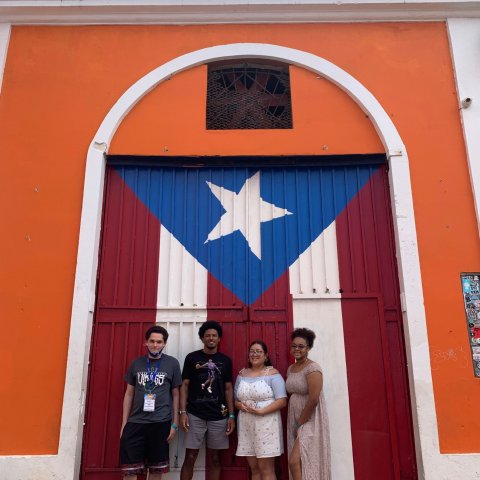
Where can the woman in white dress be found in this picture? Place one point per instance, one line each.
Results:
(259, 396)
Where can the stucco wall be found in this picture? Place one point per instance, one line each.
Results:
(60, 82)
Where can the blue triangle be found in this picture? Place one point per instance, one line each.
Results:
(182, 201)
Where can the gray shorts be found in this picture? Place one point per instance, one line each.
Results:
(216, 431)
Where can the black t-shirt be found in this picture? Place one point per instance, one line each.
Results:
(206, 391)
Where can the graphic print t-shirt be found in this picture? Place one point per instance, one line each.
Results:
(206, 391)
(167, 377)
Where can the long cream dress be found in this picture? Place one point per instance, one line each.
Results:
(313, 435)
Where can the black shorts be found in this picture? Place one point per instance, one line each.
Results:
(144, 445)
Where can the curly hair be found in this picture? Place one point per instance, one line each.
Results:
(305, 333)
(210, 325)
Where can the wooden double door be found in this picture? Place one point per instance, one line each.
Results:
(183, 243)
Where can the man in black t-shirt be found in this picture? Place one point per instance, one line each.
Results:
(206, 401)
(150, 409)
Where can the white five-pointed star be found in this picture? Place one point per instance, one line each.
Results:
(245, 211)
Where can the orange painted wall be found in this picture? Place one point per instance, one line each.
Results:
(325, 121)
(60, 82)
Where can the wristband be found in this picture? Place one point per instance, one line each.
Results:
(232, 416)
(174, 426)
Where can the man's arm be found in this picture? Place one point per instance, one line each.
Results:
(127, 405)
(183, 405)
(175, 406)
(229, 400)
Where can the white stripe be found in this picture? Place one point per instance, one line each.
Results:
(316, 270)
(314, 284)
(181, 309)
(182, 280)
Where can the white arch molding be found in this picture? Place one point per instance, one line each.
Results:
(65, 465)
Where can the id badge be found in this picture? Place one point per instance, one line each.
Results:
(149, 402)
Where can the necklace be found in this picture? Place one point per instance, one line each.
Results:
(299, 366)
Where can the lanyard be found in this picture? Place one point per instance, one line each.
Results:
(152, 375)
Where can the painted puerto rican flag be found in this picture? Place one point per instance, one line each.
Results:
(236, 233)
(245, 226)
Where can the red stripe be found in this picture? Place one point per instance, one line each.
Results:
(381, 424)
(130, 250)
(128, 279)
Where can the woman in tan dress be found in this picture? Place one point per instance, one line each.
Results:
(308, 438)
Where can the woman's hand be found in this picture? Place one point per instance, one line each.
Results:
(253, 410)
(270, 408)
(247, 406)
(239, 405)
(296, 427)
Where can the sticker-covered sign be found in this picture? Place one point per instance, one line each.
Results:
(471, 298)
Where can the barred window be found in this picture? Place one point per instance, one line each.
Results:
(248, 96)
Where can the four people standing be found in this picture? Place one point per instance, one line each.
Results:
(205, 409)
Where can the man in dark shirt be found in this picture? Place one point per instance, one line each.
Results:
(206, 401)
(150, 409)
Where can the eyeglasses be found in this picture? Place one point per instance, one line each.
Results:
(255, 352)
(298, 347)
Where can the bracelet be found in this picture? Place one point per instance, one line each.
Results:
(232, 416)
(174, 426)
(182, 411)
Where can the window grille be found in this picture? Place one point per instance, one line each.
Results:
(248, 96)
